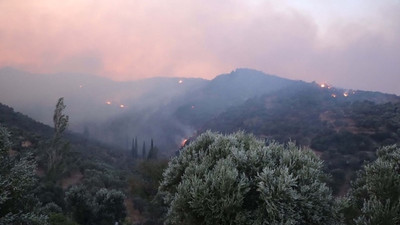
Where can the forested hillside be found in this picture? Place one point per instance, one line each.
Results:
(72, 179)
(120, 161)
(345, 127)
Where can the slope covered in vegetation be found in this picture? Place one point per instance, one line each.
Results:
(344, 127)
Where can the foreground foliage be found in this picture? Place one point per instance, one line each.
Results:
(237, 179)
(375, 195)
(18, 205)
(34, 168)
(103, 207)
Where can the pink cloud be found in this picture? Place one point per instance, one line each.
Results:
(136, 39)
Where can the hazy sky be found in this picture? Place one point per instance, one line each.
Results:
(349, 43)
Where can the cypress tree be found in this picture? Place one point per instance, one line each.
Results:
(136, 146)
(134, 149)
(153, 151)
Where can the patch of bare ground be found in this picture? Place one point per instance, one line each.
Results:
(71, 180)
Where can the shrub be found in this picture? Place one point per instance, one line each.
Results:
(237, 179)
(375, 194)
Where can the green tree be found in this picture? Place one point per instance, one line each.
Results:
(375, 194)
(237, 179)
(109, 206)
(153, 152)
(134, 149)
(101, 207)
(18, 205)
(79, 204)
(58, 147)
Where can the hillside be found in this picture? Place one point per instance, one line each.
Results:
(82, 158)
(169, 110)
(90, 99)
(86, 166)
(345, 127)
(24, 129)
(171, 122)
(225, 91)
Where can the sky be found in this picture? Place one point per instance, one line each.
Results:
(350, 44)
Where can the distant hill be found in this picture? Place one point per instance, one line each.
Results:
(89, 99)
(169, 110)
(18, 121)
(28, 134)
(94, 104)
(345, 127)
(173, 121)
(225, 91)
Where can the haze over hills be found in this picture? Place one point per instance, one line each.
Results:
(166, 109)
(90, 100)
(344, 127)
(170, 110)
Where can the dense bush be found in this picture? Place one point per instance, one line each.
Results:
(102, 207)
(375, 195)
(18, 204)
(237, 179)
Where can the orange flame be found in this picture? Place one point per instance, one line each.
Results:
(183, 143)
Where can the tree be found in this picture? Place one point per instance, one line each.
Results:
(79, 204)
(237, 179)
(109, 206)
(134, 149)
(375, 194)
(58, 148)
(153, 152)
(18, 205)
(101, 207)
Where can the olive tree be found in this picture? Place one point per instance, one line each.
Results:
(18, 204)
(101, 207)
(237, 179)
(375, 194)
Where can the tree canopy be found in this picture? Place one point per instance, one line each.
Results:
(375, 194)
(18, 205)
(237, 179)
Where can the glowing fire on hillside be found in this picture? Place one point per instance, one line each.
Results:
(108, 102)
(183, 143)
